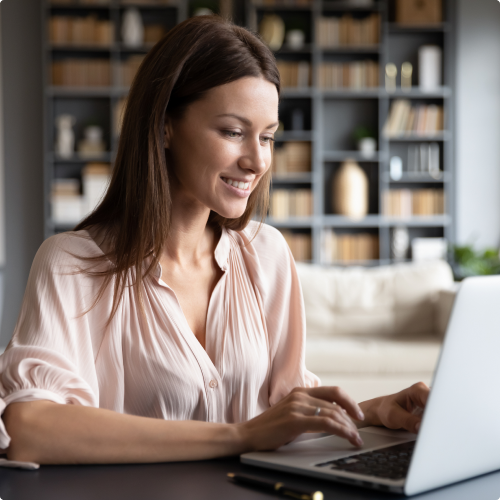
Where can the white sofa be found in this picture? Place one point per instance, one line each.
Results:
(375, 331)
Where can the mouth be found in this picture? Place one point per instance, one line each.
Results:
(237, 187)
(242, 185)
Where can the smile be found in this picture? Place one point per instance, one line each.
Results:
(236, 184)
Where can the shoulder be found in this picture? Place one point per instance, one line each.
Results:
(268, 242)
(65, 249)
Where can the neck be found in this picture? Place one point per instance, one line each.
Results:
(190, 238)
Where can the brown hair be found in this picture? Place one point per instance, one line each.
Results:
(198, 54)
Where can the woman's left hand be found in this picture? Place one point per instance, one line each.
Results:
(402, 410)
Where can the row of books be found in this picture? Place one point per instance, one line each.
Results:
(345, 31)
(294, 73)
(68, 205)
(286, 203)
(89, 30)
(257, 3)
(108, 2)
(81, 72)
(408, 202)
(352, 75)
(405, 118)
(293, 157)
(348, 247)
(300, 244)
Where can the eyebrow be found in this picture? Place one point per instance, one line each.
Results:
(246, 121)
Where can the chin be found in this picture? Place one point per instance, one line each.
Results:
(231, 213)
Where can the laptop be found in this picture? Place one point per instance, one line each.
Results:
(459, 437)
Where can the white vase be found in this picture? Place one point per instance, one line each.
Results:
(65, 141)
(350, 190)
(132, 28)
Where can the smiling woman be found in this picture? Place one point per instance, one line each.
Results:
(168, 325)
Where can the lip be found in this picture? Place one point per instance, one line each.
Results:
(242, 193)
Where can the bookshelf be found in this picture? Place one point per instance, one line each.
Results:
(66, 25)
(332, 112)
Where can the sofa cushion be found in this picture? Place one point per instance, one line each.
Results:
(358, 355)
(382, 301)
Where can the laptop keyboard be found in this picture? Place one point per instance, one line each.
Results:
(389, 463)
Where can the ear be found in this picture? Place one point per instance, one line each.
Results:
(168, 131)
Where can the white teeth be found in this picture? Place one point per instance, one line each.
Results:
(246, 185)
(241, 185)
(229, 181)
(237, 184)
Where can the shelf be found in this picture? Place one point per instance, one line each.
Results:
(297, 92)
(79, 6)
(339, 6)
(417, 177)
(445, 136)
(342, 221)
(398, 29)
(355, 155)
(106, 157)
(294, 135)
(298, 178)
(291, 222)
(366, 93)
(307, 49)
(369, 49)
(66, 91)
(82, 48)
(282, 7)
(417, 221)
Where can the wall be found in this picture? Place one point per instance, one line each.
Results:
(20, 31)
(478, 122)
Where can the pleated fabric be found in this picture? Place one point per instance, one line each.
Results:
(152, 365)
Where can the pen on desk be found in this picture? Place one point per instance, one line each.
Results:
(279, 488)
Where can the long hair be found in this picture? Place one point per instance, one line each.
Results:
(135, 214)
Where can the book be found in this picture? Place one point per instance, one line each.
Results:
(285, 203)
(345, 31)
(292, 158)
(352, 75)
(348, 247)
(421, 119)
(294, 74)
(300, 244)
(407, 203)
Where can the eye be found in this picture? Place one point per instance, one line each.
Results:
(232, 134)
(267, 140)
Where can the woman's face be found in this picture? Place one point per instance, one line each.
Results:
(221, 147)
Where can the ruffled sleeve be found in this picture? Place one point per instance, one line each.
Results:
(51, 356)
(285, 313)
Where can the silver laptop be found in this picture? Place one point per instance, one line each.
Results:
(459, 437)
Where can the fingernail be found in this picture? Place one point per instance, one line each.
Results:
(359, 441)
(361, 415)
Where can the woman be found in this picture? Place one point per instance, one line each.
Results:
(168, 325)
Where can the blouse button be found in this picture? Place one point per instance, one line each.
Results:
(213, 384)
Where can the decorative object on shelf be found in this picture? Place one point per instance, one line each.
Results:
(272, 31)
(295, 39)
(132, 28)
(406, 74)
(360, 3)
(396, 168)
(92, 144)
(66, 201)
(405, 119)
(350, 190)
(400, 243)
(65, 142)
(419, 12)
(391, 72)
(365, 141)
(297, 119)
(202, 11)
(429, 249)
(429, 67)
(95, 180)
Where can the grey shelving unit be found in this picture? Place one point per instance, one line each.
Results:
(334, 113)
(89, 102)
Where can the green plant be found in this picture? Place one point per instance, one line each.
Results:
(469, 262)
(362, 132)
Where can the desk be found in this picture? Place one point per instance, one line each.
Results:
(195, 481)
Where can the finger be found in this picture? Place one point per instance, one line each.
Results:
(332, 411)
(401, 419)
(339, 396)
(419, 394)
(326, 424)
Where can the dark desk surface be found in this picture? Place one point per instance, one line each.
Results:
(195, 480)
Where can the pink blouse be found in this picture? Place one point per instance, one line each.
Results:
(154, 366)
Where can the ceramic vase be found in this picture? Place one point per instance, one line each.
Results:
(132, 28)
(350, 190)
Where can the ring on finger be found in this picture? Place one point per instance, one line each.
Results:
(317, 411)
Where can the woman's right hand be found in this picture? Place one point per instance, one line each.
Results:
(295, 414)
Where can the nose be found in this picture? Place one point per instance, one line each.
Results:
(253, 156)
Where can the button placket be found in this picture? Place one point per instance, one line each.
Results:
(213, 383)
